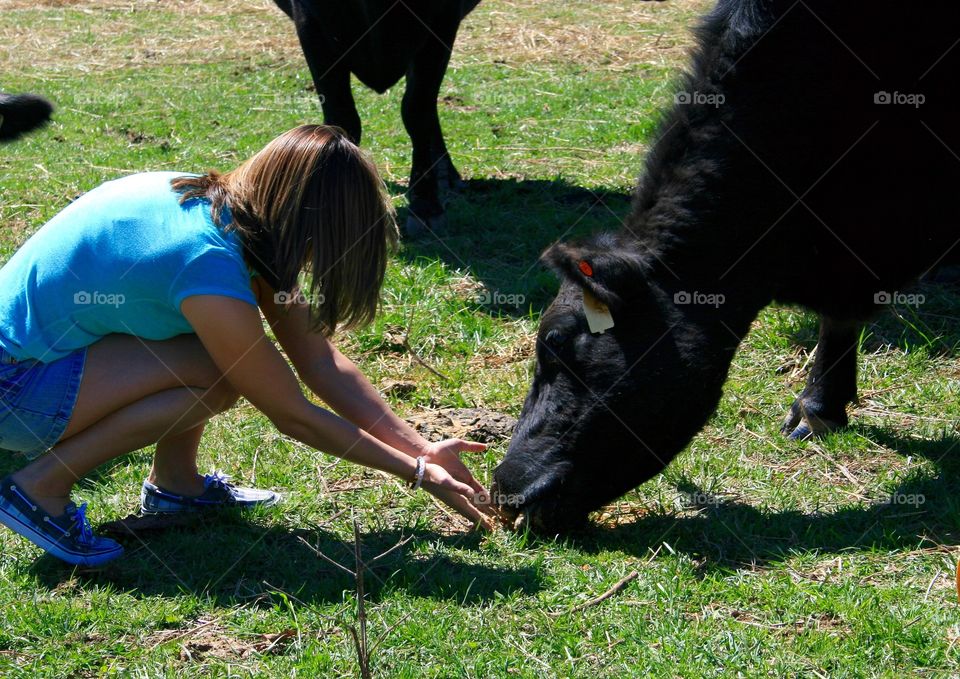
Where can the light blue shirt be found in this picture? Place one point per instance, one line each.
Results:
(120, 259)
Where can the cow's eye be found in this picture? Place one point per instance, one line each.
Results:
(553, 342)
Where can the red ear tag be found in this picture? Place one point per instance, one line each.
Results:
(585, 268)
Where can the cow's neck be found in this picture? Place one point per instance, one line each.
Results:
(704, 238)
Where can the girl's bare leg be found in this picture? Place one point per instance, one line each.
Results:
(133, 394)
(175, 462)
(49, 478)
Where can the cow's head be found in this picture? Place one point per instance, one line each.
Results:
(608, 410)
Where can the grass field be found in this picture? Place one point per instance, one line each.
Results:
(756, 556)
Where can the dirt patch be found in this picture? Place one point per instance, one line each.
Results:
(208, 638)
(473, 424)
(400, 389)
(223, 647)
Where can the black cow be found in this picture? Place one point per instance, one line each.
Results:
(21, 113)
(381, 41)
(812, 157)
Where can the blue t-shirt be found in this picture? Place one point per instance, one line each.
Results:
(120, 259)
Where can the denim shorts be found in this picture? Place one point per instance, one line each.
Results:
(36, 401)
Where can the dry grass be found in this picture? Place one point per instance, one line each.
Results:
(118, 35)
(609, 34)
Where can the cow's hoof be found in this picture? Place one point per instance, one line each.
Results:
(417, 226)
(808, 419)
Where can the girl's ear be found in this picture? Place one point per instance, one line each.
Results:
(604, 266)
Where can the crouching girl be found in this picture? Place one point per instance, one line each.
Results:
(133, 317)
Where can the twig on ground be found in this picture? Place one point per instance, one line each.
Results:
(184, 634)
(388, 630)
(395, 547)
(633, 575)
(360, 638)
(416, 357)
(327, 558)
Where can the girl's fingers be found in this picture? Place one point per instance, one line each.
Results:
(468, 510)
(480, 499)
(472, 446)
(461, 488)
(462, 498)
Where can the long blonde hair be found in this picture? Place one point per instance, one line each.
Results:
(310, 201)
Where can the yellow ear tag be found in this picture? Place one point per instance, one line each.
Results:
(597, 313)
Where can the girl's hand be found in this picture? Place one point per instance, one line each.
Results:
(458, 495)
(447, 455)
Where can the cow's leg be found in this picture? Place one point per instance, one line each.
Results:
(831, 385)
(332, 81)
(21, 113)
(337, 101)
(431, 163)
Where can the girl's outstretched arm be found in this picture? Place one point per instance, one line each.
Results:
(337, 381)
(233, 335)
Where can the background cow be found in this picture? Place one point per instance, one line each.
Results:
(812, 157)
(20, 113)
(381, 41)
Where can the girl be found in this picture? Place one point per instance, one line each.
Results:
(131, 318)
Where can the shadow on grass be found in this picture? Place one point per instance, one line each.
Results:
(235, 561)
(497, 229)
(933, 324)
(921, 512)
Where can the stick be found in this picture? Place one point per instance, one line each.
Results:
(327, 558)
(363, 652)
(603, 597)
(184, 634)
(416, 357)
(396, 546)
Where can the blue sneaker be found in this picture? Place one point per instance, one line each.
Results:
(68, 536)
(217, 493)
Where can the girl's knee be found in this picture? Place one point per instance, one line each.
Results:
(221, 396)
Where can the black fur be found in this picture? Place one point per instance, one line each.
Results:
(780, 104)
(21, 113)
(381, 41)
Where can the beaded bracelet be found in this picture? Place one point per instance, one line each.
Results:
(421, 467)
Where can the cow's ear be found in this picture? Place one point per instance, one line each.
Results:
(610, 272)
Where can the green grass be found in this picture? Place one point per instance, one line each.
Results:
(756, 556)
